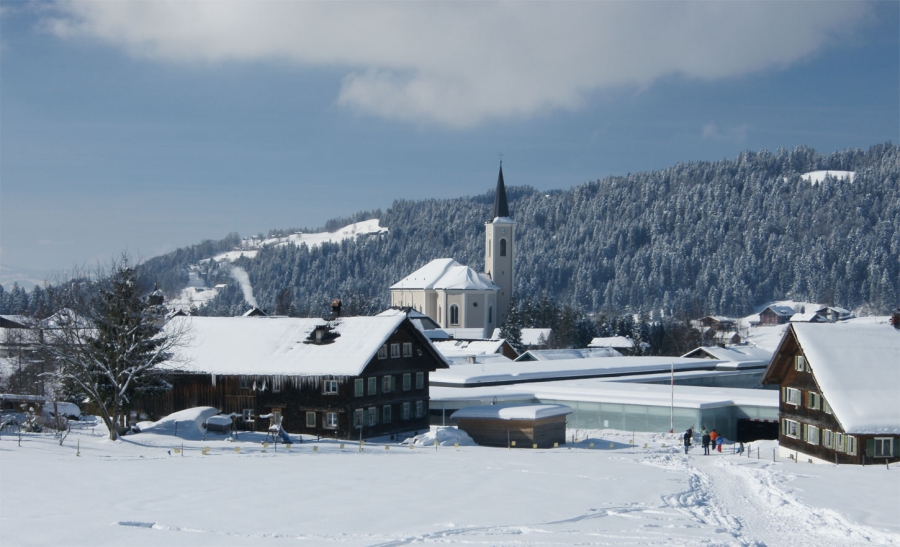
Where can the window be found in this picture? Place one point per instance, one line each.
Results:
(331, 420)
(387, 384)
(813, 400)
(357, 418)
(382, 352)
(827, 438)
(454, 314)
(490, 314)
(502, 247)
(407, 349)
(812, 434)
(395, 351)
(372, 415)
(386, 411)
(244, 382)
(826, 408)
(358, 387)
(404, 411)
(373, 385)
(407, 381)
(310, 419)
(330, 387)
(276, 384)
(247, 414)
(420, 380)
(850, 441)
(791, 396)
(789, 428)
(800, 363)
(884, 447)
(420, 409)
(839, 442)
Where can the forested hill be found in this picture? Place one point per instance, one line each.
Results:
(698, 237)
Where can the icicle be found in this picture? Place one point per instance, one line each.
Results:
(213, 376)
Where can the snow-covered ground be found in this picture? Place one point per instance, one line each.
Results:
(598, 490)
(817, 177)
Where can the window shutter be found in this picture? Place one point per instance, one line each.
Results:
(870, 447)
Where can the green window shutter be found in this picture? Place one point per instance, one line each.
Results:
(870, 447)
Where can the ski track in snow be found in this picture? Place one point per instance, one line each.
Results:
(735, 498)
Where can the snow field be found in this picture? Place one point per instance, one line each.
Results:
(139, 491)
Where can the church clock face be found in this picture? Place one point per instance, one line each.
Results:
(503, 231)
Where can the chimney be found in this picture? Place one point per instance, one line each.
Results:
(471, 359)
(895, 318)
(336, 307)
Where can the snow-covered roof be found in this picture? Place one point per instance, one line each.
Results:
(466, 334)
(556, 354)
(612, 342)
(738, 354)
(446, 274)
(463, 359)
(538, 371)
(512, 412)
(857, 367)
(275, 345)
(530, 336)
(450, 348)
(804, 317)
(781, 310)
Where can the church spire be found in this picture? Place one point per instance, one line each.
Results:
(501, 208)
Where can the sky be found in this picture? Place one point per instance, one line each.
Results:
(143, 127)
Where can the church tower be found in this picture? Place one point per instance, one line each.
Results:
(500, 249)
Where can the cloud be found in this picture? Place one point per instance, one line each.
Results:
(463, 63)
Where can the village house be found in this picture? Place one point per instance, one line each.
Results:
(776, 315)
(839, 384)
(353, 377)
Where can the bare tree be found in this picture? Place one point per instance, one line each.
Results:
(108, 341)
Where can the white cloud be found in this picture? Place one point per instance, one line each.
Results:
(460, 64)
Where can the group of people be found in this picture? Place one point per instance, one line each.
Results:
(707, 438)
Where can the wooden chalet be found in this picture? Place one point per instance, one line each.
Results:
(776, 315)
(347, 378)
(839, 385)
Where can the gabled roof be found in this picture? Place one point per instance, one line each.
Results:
(736, 354)
(276, 345)
(857, 369)
(456, 348)
(571, 353)
(612, 342)
(446, 274)
(786, 311)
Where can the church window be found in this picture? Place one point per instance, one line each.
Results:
(502, 247)
(454, 314)
(490, 314)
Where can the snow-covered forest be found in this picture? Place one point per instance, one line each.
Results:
(696, 238)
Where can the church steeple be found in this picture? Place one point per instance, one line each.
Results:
(501, 207)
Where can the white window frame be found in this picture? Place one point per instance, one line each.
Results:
(359, 387)
(454, 314)
(404, 411)
(387, 384)
(395, 351)
(792, 396)
(420, 380)
(331, 420)
(357, 418)
(407, 381)
(372, 416)
(420, 409)
(880, 443)
(852, 444)
(386, 414)
(407, 349)
(811, 434)
(790, 428)
(382, 352)
(330, 387)
(800, 363)
(839, 441)
(828, 438)
(311, 419)
(826, 408)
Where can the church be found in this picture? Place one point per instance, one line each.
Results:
(458, 297)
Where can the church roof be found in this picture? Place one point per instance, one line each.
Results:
(446, 273)
(501, 207)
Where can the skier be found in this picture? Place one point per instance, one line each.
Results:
(688, 435)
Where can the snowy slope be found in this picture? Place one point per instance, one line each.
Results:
(598, 490)
(817, 177)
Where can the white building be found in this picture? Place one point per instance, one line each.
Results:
(458, 297)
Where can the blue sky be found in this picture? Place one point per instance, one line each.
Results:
(149, 126)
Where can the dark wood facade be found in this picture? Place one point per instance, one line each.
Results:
(525, 433)
(390, 396)
(775, 316)
(808, 425)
